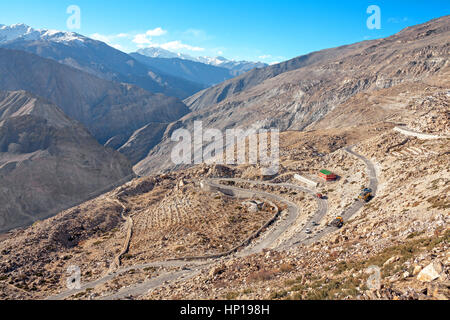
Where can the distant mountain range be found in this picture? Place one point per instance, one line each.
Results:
(236, 67)
(94, 57)
(111, 111)
(172, 74)
(115, 98)
(207, 75)
(205, 70)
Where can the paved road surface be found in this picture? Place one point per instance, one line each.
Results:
(318, 216)
(356, 206)
(423, 136)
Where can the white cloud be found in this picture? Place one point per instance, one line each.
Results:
(177, 46)
(117, 46)
(110, 39)
(142, 38)
(266, 56)
(100, 37)
(130, 41)
(195, 32)
(157, 32)
(146, 38)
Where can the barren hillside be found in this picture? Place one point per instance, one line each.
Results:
(323, 87)
(49, 162)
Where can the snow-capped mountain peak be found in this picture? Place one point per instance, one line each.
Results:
(12, 32)
(23, 32)
(216, 61)
(155, 52)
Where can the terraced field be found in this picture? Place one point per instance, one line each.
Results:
(186, 222)
(414, 152)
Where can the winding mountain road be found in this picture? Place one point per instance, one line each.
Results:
(355, 206)
(423, 136)
(275, 233)
(189, 269)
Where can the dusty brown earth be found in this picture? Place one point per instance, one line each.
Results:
(402, 231)
(172, 218)
(407, 224)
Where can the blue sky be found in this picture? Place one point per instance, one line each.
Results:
(268, 31)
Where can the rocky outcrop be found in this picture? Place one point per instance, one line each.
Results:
(430, 272)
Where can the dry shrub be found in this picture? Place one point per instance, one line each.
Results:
(261, 275)
(286, 267)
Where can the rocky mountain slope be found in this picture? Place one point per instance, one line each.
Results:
(347, 60)
(49, 162)
(112, 112)
(222, 91)
(94, 57)
(403, 230)
(298, 93)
